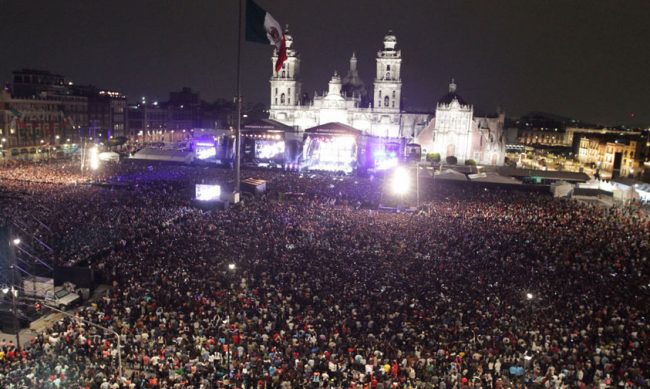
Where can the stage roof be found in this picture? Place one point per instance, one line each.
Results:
(333, 128)
(263, 125)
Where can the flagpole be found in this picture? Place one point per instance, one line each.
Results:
(238, 135)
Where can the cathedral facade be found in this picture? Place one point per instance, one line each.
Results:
(346, 100)
(453, 131)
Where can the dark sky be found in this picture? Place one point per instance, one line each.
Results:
(584, 59)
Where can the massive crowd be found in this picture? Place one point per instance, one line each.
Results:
(486, 287)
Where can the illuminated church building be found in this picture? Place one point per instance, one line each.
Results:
(454, 131)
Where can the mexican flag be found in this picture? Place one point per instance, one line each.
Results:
(18, 115)
(261, 27)
(15, 112)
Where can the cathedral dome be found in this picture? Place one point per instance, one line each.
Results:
(452, 95)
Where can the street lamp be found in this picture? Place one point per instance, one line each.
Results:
(529, 296)
(16, 241)
(417, 183)
(231, 266)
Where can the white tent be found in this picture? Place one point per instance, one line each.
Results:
(561, 189)
(450, 174)
(494, 178)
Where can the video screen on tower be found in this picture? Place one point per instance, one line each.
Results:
(204, 150)
(336, 153)
(269, 149)
(207, 192)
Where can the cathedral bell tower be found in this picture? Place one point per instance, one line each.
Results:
(285, 87)
(388, 82)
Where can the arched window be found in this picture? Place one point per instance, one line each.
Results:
(393, 94)
(276, 91)
(380, 94)
(388, 68)
(393, 103)
(284, 74)
(289, 91)
(388, 75)
(386, 101)
(282, 98)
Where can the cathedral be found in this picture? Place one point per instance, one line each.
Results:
(453, 131)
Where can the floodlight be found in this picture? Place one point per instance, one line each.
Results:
(231, 266)
(400, 181)
(94, 158)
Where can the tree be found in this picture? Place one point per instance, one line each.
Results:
(433, 157)
(470, 162)
(451, 160)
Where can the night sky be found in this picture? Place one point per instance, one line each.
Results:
(588, 60)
